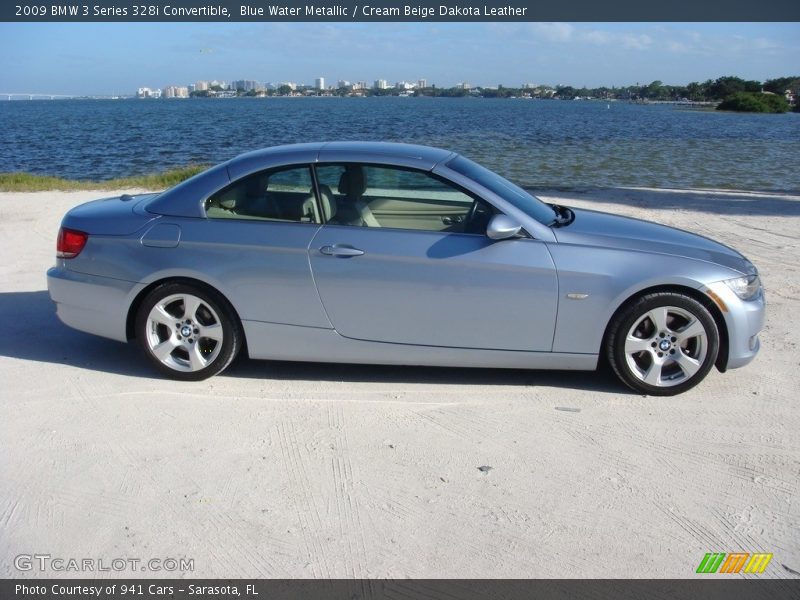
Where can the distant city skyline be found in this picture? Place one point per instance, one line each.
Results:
(119, 58)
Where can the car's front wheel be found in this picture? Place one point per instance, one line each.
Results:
(663, 343)
(187, 332)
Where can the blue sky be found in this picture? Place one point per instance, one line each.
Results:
(99, 58)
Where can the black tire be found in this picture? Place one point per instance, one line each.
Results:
(200, 354)
(666, 364)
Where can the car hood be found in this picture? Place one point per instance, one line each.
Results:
(592, 228)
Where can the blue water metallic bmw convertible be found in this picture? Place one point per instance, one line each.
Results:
(364, 252)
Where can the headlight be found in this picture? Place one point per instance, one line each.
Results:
(747, 287)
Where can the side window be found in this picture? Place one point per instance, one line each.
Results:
(380, 196)
(285, 194)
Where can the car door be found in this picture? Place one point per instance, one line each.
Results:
(400, 261)
(254, 245)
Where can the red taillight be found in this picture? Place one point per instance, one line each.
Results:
(70, 242)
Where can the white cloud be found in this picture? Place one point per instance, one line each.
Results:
(553, 32)
(567, 33)
(635, 41)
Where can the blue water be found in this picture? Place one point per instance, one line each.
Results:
(535, 143)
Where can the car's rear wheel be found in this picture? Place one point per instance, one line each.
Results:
(663, 343)
(187, 332)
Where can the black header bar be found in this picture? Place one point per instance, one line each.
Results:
(397, 10)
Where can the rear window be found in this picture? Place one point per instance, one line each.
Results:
(283, 194)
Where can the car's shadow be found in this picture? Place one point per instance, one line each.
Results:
(596, 381)
(30, 330)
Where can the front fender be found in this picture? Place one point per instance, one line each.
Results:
(595, 282)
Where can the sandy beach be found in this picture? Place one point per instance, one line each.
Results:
(319, 470)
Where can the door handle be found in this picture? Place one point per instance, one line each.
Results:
(341, 250)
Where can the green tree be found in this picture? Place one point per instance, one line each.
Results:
(754, 102)
(695, 91)
(567, 92)
(654, 91)
(723, 87)
(454, 92)
(781, 84)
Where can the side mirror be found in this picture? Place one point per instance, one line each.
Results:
(502, 227)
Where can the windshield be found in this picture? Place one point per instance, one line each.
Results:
(508, 191)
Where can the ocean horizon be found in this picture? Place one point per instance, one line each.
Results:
(537, 144)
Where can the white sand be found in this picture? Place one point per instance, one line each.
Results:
(304, 470)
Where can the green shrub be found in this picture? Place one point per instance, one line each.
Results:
(754, 102)
(29, 182)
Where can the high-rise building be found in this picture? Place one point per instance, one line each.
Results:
(381, 84)
(146, 92)
(201, 86)
(175, 91)
(319, 83)
(422, 83)
(247, 85)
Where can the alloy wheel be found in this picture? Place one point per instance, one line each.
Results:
(184, 332)
(666, 346)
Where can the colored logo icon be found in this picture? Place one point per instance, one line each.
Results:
(735, 562)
